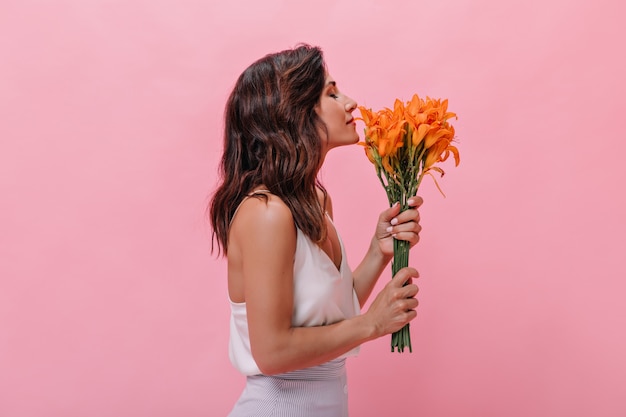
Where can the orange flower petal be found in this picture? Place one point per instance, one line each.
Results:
(419, 134)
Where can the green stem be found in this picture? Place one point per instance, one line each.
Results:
(401, 338)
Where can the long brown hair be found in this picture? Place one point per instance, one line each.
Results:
(271, 138)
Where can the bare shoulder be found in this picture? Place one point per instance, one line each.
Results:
(261, 216)
(261, 248)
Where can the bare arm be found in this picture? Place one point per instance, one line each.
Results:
(265, 237)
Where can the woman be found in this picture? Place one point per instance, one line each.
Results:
(295, 302)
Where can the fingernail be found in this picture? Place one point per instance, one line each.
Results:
(395, 204)
(411, 202)
(394, 221)
(389, 229)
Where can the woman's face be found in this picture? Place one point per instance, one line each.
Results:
(335, 109)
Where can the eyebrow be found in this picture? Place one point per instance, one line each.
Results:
(333, 83)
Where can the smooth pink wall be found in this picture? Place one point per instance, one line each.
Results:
(110, 124)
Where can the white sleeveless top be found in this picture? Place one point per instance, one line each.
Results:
(322, 295)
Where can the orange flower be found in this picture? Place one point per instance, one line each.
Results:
(420, 124)
(421, 129)
(434, 154)
(368, 152)
(439, 152)
(419, 134)
(436, 134)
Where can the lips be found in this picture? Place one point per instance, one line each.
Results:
(350, 121)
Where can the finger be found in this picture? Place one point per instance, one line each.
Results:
(415, 201)
(389, 214)
(410, 304)
(410, 315)
(403, 275)
(411, 237)
(406, 231)
(404, 306)
(410, 215)
(409, 291)
(394, 217)
(408, 227)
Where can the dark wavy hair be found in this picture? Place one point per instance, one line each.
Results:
(271, 138)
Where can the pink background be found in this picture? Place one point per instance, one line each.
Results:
(110, 129)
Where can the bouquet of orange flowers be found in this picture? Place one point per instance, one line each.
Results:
(404, 144)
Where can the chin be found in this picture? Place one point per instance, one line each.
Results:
(352, 141)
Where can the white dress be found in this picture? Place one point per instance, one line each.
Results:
(323, 295)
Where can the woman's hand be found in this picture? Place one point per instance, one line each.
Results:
(395, 305)
(395, 225)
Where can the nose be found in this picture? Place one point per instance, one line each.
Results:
(350, 105)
